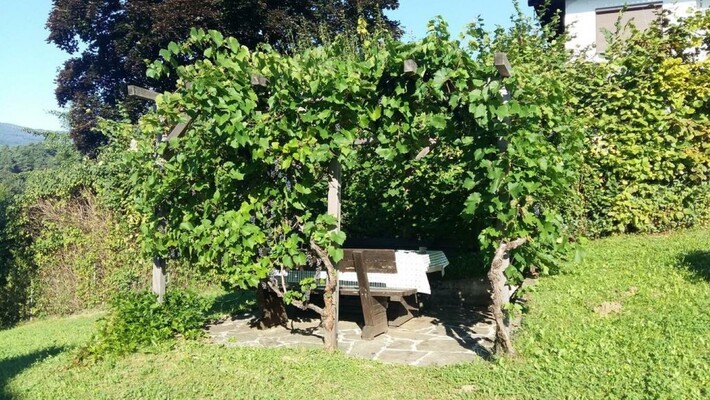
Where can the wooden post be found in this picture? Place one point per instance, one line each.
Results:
(159, 264)
(503, 65)
(501, 260)
(141, 93)
(505, 70)
(334, 172)
(334, 208)
(159, 279)
(410, 67)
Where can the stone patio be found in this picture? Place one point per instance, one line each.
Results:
(439, 336)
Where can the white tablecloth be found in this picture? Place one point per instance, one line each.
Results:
(412, 268)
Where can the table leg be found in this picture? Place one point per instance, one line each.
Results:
(375, 314)
(400, 311)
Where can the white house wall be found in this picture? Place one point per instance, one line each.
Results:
(581, 16)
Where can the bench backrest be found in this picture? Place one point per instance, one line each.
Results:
(379, 261)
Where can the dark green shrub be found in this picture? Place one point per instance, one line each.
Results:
(137, 321)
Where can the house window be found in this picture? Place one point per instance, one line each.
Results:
(641, 15)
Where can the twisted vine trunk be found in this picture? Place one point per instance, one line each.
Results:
(330, 298)
(328, 312)
(496, 276)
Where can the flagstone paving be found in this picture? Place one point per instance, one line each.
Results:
(438, 337)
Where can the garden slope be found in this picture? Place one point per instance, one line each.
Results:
(630, 321)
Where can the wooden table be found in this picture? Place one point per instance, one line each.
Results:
(387, 282)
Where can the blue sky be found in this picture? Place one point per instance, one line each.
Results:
(28, 64)
(414, 14)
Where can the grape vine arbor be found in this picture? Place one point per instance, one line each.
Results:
(501, 260)
(243, 193)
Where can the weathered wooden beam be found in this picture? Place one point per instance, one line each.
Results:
(159, 279)
(334, 209)
(259, 80)
(334, 173)
(503, 65)
(363, 142)
(410, 67)
(425, 151)
(142, 93)
(179, 129)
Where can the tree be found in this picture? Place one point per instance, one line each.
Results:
(111, 39)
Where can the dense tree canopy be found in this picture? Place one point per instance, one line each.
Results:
(111, 39)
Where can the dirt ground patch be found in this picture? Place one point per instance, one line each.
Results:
(608, 308)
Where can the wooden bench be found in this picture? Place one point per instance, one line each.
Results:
(382, 306)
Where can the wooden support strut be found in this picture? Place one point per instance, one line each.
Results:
(374, 309)
(142, 93)
(501, 260)
(179, 129)
(259, 80)
(410, 67)
(334, 209)
(425, 151)
(159, 281)
(503, 65)
(150, 95)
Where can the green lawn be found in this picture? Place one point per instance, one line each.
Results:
(652, 342)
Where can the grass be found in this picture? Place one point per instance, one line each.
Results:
(631, 321)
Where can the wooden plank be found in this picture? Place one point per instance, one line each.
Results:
(363, 286)
(375, 260)
(259, 80)
(410, 67)
(503, 65)
(180, 129)
(334, 209)
(142, 93)
(334, 186)
(159, 280)
(379, 292)
(369, 332)
(400, 311)
(374, 309)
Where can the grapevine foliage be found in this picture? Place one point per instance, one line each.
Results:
(243, 191)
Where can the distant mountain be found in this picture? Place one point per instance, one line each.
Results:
(13, 135)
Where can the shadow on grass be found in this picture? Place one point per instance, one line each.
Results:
(11, 367)
(232, 303)
(457, 322)
(698, 263)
